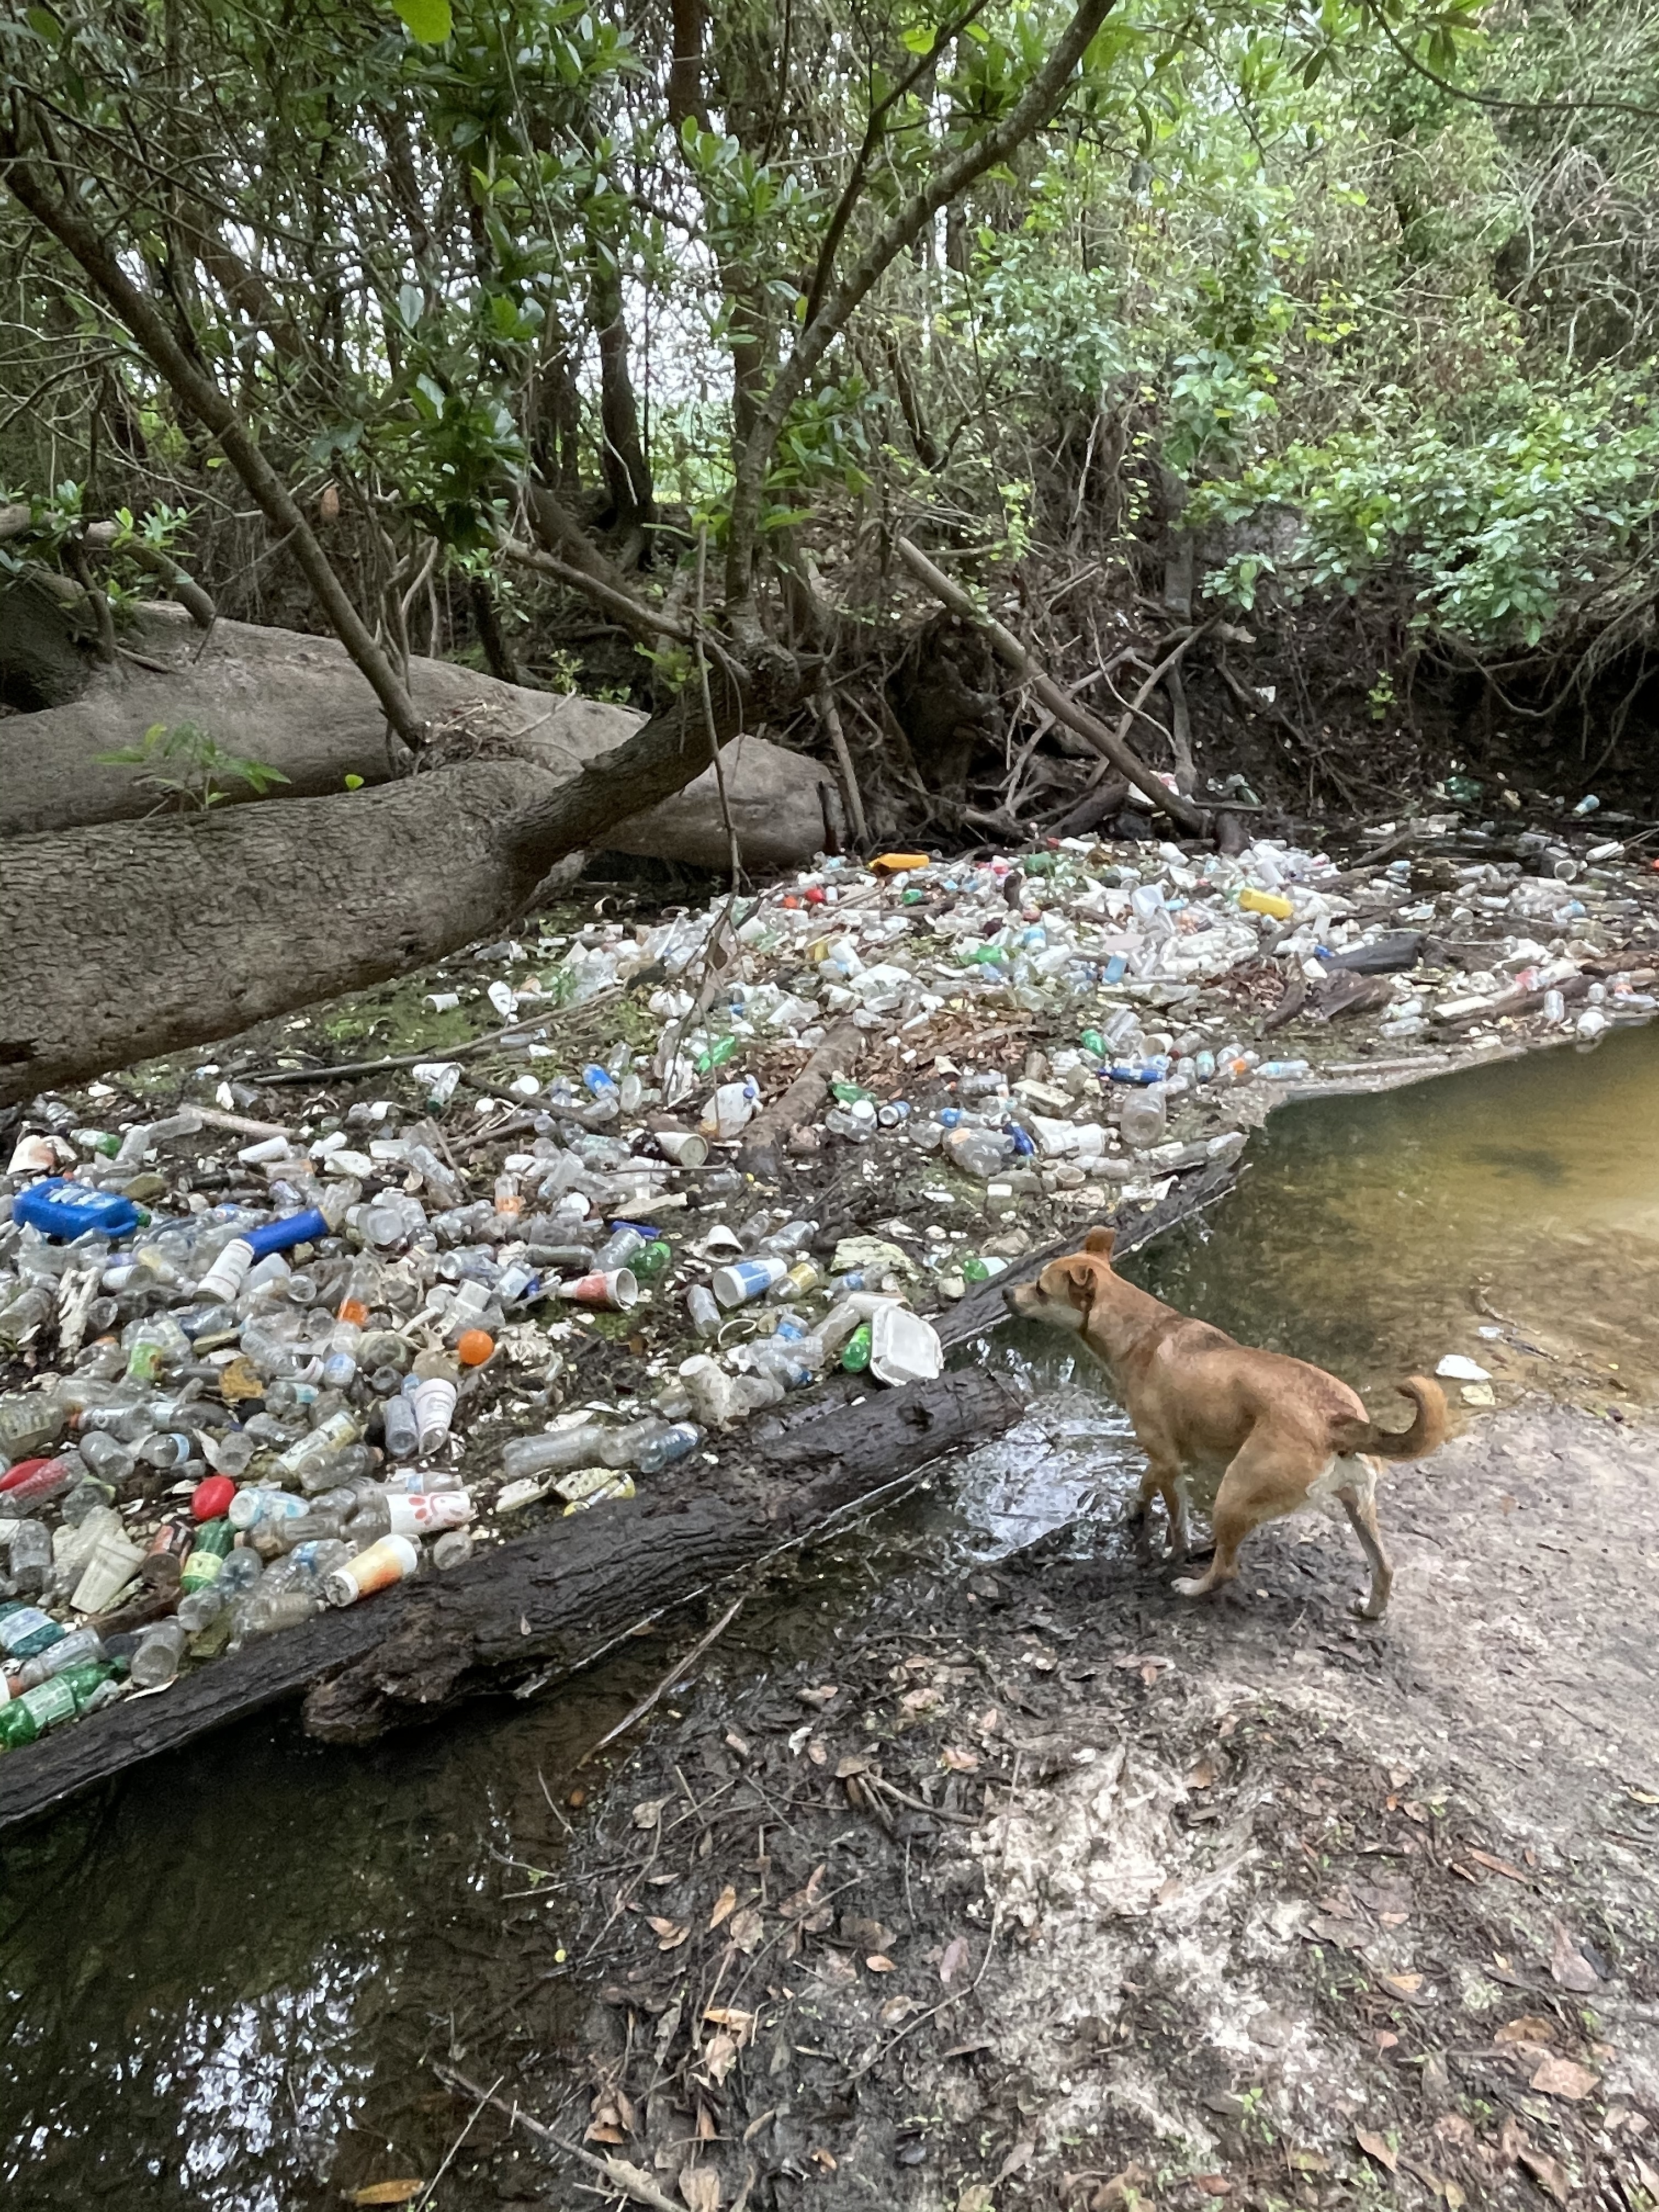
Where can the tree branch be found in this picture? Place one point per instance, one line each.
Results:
(866, 154)
(635, 616)
(195, 391)
(1059, 701)
(1033, 108)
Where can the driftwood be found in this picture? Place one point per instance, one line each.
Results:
(296, 704)
(539, 1607)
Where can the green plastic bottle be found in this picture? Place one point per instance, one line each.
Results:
(974, 1269)
(855, 1355)
(59, 1697)
(716, 1056)
(213, 1541)
(654, 1260)
(1091, 1040)
(848, 1094)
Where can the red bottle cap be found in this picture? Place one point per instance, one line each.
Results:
(212, 1499)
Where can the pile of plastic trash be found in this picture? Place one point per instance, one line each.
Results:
(260, 1370)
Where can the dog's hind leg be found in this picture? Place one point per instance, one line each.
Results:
(1359, 1503)
(1250, 1494)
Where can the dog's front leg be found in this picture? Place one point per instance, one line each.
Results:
(1162, 1479)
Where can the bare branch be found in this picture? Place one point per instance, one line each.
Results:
(1033, 108)
(1060, 702)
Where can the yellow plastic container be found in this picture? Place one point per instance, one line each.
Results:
(1272, 902)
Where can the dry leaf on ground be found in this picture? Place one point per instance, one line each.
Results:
(387, 2192)
(700, 2185)
(1531, 2028)
(1564, 2077)
(724, 1906)
(955, 1961)
(1377, 2146)
(670, 1934)
(1569, 1967)
(745, 1929)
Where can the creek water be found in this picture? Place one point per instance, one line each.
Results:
(225, 1983)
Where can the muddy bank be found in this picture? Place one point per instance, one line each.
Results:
(1036, 1876)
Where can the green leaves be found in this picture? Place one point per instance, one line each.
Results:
(428, 21)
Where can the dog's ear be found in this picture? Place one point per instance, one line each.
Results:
(1100, 1243)
(1081, 1276)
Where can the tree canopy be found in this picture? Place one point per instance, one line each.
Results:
(465, 306)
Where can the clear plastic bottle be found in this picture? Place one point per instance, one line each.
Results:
(160, 1653)
(30, 1422)
(555, 1452)
(668, 1445)
(30, 1557)
(401, 1427)
(1145, 1120)
(703, 1309)
(80, 1646)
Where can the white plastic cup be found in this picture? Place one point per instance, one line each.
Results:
(425, 1512)
(745, 1280)
(616, 1289)
(112, 1566)
(684, 1147)
(393, 1559)
(435, 1408)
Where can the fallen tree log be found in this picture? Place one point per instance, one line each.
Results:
(127, 940)
(542, 1605)
(297, 704)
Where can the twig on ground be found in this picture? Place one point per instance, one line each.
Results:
(622, 2176)
(829, 716)
(1064, 708)
(438, 1051)
(638, 1713)
(425, 2196)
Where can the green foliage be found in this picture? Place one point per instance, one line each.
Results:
(1489, 531)
(1383, 339)
(191, 770)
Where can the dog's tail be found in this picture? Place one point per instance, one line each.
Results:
(1427, 1432)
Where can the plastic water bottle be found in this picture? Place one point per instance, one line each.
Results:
(160, 1653)
(704, 1311)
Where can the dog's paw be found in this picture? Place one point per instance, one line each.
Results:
(1189, 1585)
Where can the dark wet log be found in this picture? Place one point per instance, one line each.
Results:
(545, 1604)
(984, 1309)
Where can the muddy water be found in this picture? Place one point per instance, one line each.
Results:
(224, 1986)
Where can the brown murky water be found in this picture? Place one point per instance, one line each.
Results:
(224, 1984)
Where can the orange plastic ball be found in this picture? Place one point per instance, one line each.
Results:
(475, 1348)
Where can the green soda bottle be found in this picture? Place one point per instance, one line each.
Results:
(855, 1356)
(1091, 1040)
(653, 1262)
(974, 1269)
(717, 1055)
(213, 1541)
(59, 1697)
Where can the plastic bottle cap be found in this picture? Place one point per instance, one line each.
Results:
(474, 1346)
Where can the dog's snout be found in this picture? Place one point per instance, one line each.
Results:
(1010, 1297)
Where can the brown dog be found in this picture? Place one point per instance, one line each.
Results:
(1244, 1435)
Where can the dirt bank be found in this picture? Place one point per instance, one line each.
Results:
(1034, 1876)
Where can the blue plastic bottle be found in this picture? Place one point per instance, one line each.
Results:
(59, 1208)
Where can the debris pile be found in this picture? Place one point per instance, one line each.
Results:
(262, 1366)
